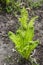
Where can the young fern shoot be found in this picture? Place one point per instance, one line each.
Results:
(23, 39)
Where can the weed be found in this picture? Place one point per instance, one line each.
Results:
(34, 4)
(10, 5)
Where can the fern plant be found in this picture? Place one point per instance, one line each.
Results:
(23, 39)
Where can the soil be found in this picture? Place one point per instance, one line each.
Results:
(8, 54)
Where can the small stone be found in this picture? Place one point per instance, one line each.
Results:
(15, 58)
(4, 63)
(9, 56)
(13, 50)
(17, 61)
